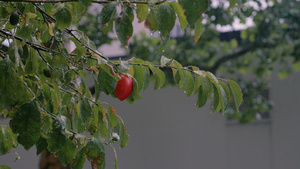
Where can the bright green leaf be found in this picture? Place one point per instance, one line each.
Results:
(4, 167)
(159, 79)
(141, 12)
(180, 14)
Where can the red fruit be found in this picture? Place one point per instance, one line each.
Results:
(124, 87)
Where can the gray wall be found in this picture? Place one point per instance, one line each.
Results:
(167, 131)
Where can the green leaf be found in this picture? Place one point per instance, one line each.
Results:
(77, 123)
(146, 78)
(202, 97)
(27, 123)
(227, 92)
(134, 95)
(124, 28)
(151, 21)
(198, 30)
(79, 160)
(107, 79)
(141, 12)
(85, 2)
(32, 64)
(95, 151)
(40, 145)
(97, 89)
(85, 110)
(107, 13)
(159, 79)
(194, 9)
(189, 87)
(25, 32)
(204, 91)
(216, 101)
(165, 19)
(57, 138)
(124, 137)
(103, 128)
(179, 75)
(59, 61)
(63, 18)
(222, 98)
(77, 10)
(67, 153)
(237, 93)
(180, 14)
(129, 11)
(13, 53)
(139, 75)
(7, 139)
(93, 122)
(112, 116)
(80, 50)
(197, 84)
(4, 167)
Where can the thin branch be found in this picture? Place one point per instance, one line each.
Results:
(230, 56)
(99, 54)
(236, 54)
(96, 2)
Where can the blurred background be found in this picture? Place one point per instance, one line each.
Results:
(257, 44)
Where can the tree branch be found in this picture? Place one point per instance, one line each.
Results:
(96, 2)
(236, 54)
(230, 56)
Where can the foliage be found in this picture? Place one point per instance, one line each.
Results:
(271, 45)
(42, 82)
